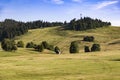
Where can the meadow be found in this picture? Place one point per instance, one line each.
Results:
(27, 64)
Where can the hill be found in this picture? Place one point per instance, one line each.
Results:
(62, 38)
(26, 64)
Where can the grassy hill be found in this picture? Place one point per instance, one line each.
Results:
(26, 64)
(62, 38)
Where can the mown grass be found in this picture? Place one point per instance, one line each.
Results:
(27, 64)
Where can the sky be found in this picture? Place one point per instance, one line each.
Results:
(60, 10)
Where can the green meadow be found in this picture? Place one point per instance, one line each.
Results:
(27, 64)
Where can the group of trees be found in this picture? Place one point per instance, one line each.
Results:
(95, 47)
(8, 45)
(44, 45)
(10, 28)
(85, 24)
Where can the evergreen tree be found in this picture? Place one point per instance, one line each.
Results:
(95, 47)
(40, 48)
(45, 45)
(86, 49)
(74, 48)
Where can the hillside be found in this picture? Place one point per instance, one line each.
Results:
(108, 37)
(26, 64)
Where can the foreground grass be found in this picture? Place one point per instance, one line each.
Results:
(28, 65)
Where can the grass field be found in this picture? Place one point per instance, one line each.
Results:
(26, 64)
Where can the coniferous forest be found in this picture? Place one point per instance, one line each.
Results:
(85, 24)
(10, 28)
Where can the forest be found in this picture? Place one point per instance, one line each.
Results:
(10, 28)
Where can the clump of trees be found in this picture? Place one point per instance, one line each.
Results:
(20, 44)
(74, 47)
(45, 45)
(85, 24)
(8, 45)
(95, 47)
(88, 38)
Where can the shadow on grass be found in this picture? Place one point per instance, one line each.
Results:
(115, 59)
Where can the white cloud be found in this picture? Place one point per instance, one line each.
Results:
(105, 4)
(58, 1)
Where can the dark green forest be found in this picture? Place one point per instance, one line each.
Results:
(10, 28)
(85, 24)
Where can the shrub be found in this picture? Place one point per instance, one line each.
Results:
(8, 45)
(20, 44)
(95, 47)
(40, 48)
(30, 45)
(86, 49)
(74, 48)
(57, 50)
(45, 44)
(88, 38)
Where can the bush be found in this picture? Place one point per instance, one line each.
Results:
(74, 48)
(57, 50)
(45, 44)
(20, 44)
(8, 45)
(95, 47)
(30, 45)
(39, 48)
(88, 38)
(86, 49)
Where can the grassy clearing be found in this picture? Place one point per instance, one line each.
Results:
(26, 64)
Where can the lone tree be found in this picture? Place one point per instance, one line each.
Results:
(86, 49)
(20, 44)
(74, 48)
(95, 47)
(57, 50)
(8, 45)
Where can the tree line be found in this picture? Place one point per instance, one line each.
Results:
(10, 28)
(85, 24)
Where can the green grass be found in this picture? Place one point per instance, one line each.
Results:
(26, 64)
(32, 66)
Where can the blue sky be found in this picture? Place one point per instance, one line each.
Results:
(60, 10)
